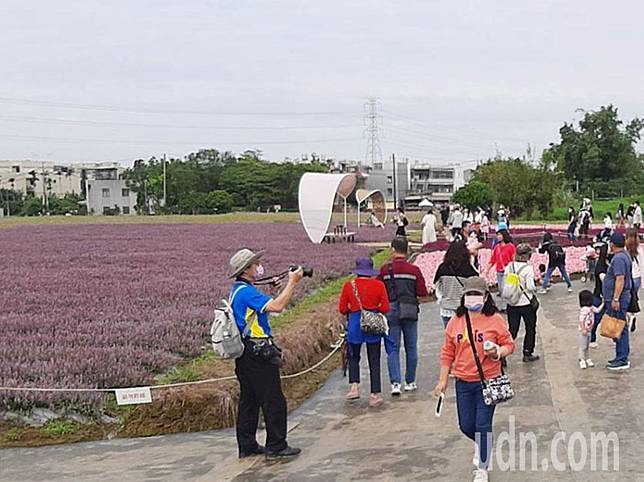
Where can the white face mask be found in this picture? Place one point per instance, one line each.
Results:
(474, 302)
(259, 271)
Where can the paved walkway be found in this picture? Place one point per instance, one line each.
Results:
(403, 440)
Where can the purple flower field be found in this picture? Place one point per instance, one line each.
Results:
(113, 305)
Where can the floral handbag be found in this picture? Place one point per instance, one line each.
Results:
(371, 323)
(496, 390)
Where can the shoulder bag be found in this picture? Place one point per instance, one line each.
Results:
(407, 305)
(534, 301)
(498, 389)
(371, 323)
(611, 327)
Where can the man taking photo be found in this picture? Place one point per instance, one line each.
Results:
(258, 369)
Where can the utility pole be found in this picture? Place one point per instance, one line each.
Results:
(164, 180)
(393, 158)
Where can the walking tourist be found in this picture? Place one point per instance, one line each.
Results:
(637, 216)
(556, 260)
(572, 223)
(258, 369)
(520, 276)
(621, 216)
(405, 284)
(587, 313)
(636, 252)
(475, 418)
(502, 254)
(629, 215)
(450, 278)
(585, 218)
(601, 267)
(617, 295)
(371, 296)
(429, 227)
(457, 221)
(401, 222)
(485, 225)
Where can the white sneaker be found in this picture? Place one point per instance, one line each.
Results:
(569, 289)
(582, 364)
(410, 387)
(543, 292)
(590, 363)
(480, 475)
(395, 388)
(594, 344)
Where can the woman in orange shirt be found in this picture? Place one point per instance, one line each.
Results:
(474, 416)
(373, 297)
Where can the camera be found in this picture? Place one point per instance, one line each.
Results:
(306, 270)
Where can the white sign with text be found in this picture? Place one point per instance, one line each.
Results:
(130, 396)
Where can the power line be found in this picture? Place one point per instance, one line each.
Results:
(108, 108)
(152, 142)
(170, 126)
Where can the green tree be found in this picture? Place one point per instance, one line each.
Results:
(474, 194)
(599, 154)
(32, 207)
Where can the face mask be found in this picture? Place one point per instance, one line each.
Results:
(259, 271)
(474, 302)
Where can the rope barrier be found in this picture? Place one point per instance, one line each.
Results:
(336, 346)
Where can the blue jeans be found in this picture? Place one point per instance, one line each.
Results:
(409, 332)
(598, 317)
(548, 275)
(622, 345)
(445, 320)
(475, 418)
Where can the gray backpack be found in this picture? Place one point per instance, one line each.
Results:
(224, 333)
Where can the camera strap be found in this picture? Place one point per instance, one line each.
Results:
(269, 280)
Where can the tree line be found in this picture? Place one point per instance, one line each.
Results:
(209, 181)
(596, 158)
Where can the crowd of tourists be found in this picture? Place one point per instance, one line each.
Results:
(382, 309)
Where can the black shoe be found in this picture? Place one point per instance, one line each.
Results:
(258, 451)
(286, 452)
(633, 327)
(530, 358)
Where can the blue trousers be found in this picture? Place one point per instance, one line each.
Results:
(562, 269)
(475, 418)
(408, 330)
(622, 345)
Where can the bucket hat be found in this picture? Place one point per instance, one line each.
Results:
(241, 260)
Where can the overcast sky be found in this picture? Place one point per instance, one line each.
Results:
(457, 80)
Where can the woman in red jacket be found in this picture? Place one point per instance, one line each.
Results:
(474, 416)
(502, 255)
(373, 297)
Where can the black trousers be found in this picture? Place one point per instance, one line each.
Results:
(373, 355)
(260, 387)
(515, 314)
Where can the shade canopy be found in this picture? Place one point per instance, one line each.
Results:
(378, 204)
(316, 197)
(425, 203)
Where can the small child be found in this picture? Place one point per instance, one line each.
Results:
(586, 320)
(590, 257)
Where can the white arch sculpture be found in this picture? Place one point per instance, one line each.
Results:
(316, 197)
(363, 194)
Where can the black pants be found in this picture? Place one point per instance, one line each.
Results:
(373, 355)
(260, 387)
(515, 313)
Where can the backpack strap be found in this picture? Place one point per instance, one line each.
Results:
(247, 326)
(390, 271)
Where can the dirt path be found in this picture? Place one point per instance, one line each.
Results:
(403, 440)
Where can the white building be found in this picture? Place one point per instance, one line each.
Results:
(101, 183)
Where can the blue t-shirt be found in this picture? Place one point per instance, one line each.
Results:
(620, 265)
(249, 306)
